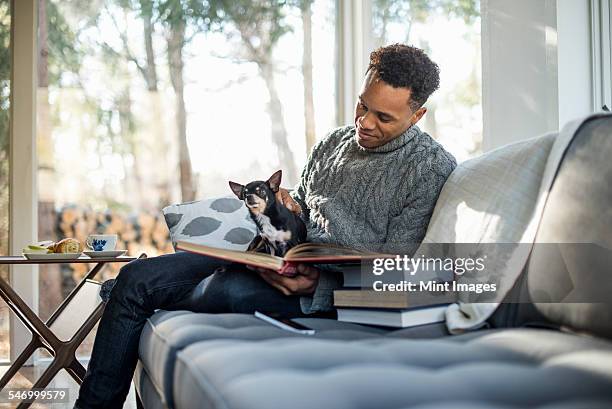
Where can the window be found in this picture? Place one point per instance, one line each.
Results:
(142, 105)
(454, 114)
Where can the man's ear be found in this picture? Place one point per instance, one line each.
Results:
(238, 189)
(418, 114)
(275, 180)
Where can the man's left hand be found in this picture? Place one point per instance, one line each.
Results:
(304, 283)
(284, 198)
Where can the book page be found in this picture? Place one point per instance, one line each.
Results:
(249, 258)
(311, 252)
(303, 253)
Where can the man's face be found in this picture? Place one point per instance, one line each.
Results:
(382, 112)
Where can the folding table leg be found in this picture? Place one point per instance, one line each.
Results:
(21, 359)
(76, 370)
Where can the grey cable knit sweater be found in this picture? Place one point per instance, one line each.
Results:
(377, 199)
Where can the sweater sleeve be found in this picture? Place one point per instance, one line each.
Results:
(322, 300)
(299, 191)
(329, 280)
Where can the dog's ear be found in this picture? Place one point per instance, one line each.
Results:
(275, 180)
(238, 189)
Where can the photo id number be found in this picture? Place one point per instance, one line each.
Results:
(49, 395)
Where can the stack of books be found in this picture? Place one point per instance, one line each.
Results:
(358, 302)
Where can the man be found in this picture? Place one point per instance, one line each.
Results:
(370, 186)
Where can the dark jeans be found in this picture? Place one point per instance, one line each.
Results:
(168, 282)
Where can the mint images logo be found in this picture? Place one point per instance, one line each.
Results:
(434, 286)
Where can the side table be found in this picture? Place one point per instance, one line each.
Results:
(66, 329)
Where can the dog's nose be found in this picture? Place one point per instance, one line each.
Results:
(251, 199)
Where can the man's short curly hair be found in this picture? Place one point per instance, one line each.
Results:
(404, 66)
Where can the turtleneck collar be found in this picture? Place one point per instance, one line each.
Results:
(394, 143)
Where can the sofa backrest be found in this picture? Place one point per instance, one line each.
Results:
(568, 277)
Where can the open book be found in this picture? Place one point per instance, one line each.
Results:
(306, 253)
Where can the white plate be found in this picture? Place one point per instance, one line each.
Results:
(51, 256)
(107, 253)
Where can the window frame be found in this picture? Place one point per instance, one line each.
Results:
(353, 45)
(601, 53)
(23, 205)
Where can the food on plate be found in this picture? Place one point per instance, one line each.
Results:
(68, 245)
(36, 249)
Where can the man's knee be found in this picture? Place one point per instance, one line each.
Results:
(131, 279)
(237, 291)
(232, 284)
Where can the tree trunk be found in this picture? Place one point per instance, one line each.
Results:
(279, 132)
(158, 145)
(176, 40)
(135, 184)
(259, 33)
(151, 67)
(309, 118)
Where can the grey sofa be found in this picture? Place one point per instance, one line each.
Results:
(542, 355)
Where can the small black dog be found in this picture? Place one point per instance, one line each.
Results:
(279, 228)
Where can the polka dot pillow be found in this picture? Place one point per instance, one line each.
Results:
(221, 222)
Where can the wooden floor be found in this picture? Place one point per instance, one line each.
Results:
(28, 375)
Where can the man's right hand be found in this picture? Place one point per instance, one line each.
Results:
(285, 198)
(304, 283)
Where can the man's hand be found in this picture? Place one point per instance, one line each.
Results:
(285, 199)
(304, 283)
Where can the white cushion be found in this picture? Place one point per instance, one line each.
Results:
(218, 222)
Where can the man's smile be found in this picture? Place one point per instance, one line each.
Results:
(364, 135)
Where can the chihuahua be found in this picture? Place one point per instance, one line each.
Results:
(279, 228)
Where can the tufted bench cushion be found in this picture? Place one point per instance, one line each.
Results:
(495, 369)
(237, 361)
